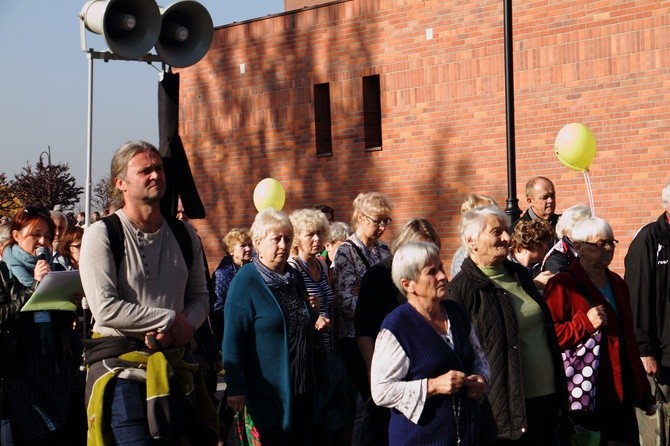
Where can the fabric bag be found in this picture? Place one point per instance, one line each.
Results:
(581, 366)
(571, 434)
(655, 429)
(581, 370)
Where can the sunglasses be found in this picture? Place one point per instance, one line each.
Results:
(34, 211)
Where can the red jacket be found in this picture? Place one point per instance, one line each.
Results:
(569, 307)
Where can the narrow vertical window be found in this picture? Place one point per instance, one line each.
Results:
(322, 124)
(372, 112)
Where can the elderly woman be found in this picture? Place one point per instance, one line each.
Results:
(70, 246)
(529, 243)
(561, 255)
(338, 232)
(472, 201)
(239, 248)
(378, 296)
(427, 362)
(311, 228)
(515, 328)
(40, 376)
(371, 217)
(587, 297)
(269, 336)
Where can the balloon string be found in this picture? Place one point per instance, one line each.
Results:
(589, 191)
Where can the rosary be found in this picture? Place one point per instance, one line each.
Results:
(456, 404)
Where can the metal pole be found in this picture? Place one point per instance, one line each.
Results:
(89, 141)
(512, 209)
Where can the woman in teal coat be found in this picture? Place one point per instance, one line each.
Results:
(268, 340)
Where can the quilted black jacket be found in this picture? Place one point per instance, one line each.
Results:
(495, 323)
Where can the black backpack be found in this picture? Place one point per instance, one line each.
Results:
(117, 238)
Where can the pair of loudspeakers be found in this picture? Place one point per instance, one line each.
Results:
(181, 33)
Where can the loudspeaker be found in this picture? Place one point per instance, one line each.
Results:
(186, 33)
(130, 27)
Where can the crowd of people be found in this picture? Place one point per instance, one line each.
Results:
(323, 333)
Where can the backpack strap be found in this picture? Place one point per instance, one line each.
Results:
(117, 238)
(180, 232)
(358, 250)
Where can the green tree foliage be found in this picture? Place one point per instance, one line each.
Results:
(46, 186)
(102, 194)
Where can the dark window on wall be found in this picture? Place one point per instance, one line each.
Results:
(322, 124)
(372, 112)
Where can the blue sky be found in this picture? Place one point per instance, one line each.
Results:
(44, 86)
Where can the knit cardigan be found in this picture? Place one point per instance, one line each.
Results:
(256, 351)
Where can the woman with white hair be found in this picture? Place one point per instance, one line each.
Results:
(587, 297)
(427, 362)
(561, 255)
(515, 328)
(269, 338)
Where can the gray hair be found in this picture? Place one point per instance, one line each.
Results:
(339, 231)
(269, 219)
(473, 222)
(409, 260)
(5, 233)
(591, 227)
(570, 217)
(666, 196)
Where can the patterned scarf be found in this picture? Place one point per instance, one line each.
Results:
(21, 264)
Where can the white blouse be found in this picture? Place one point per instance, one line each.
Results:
(389, 368)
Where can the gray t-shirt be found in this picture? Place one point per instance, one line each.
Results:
(153, 281)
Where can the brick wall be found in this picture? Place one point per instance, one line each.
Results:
(290, 5)
(602, 63)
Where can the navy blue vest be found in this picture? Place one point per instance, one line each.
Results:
(430, 356)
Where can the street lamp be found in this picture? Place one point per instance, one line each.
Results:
(48, 154)
(512, 209)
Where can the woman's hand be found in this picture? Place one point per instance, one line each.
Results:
(236, 402)
(322, 323)
(476, 385)
(650, 365)
(597, 316)
(449, 383)
(541, 279)
(313, 302)
(42, 268)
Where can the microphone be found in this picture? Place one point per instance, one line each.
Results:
(42, 253)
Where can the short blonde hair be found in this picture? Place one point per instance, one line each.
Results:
(474, 201)
(370, 203)
(269, 219)
(308, 220)
(416, 229)
(235, 236)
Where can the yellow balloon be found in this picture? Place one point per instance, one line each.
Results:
(575, 147)
(269, 193)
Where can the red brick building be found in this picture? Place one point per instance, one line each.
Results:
(252, 108)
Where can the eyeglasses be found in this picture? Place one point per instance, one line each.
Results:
(385, 222)
(75, 246)
(34, 211)
(601, 245)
